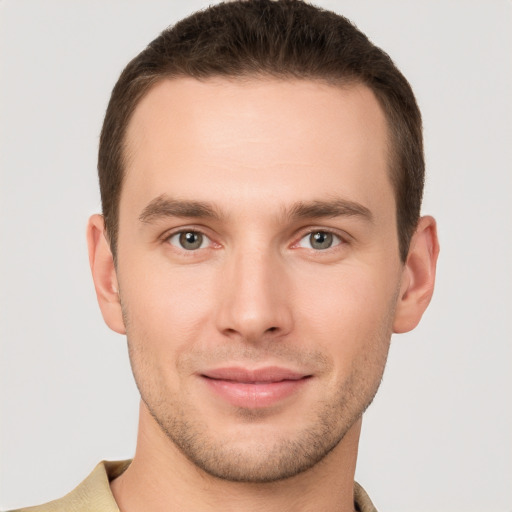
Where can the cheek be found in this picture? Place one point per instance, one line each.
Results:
(167, 296)
(348, 311)
(167, 313)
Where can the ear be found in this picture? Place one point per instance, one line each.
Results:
(104, 274)
(418, 276)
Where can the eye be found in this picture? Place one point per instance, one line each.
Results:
(189, 240)
(319, 240)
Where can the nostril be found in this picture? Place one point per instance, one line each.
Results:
(271, 329)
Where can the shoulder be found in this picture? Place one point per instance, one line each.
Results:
(92, 495)
(362, 501)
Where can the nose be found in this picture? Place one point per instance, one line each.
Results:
(254, 301)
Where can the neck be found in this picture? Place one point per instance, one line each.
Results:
(161, 478)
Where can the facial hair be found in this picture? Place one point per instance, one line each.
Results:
(260, 458)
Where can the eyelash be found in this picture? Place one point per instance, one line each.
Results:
(169, 236)
(337, 240)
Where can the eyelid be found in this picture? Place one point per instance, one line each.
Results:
(167, 235)
(343, 237)
(204, 240)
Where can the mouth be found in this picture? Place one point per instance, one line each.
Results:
(254, 389)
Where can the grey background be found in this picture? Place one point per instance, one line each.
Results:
(439, 435)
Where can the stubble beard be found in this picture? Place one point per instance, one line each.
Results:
(264, 459)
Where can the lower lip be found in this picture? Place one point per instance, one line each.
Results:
(254, 395)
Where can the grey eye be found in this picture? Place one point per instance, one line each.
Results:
(188, 240)
(319, 240)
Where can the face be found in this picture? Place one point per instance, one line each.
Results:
(258, 268)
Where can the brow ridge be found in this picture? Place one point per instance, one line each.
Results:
(164, 206)
(328, 209)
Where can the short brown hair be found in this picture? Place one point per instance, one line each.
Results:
(278, 38)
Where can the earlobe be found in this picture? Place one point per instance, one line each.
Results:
(418, 276)
(104, 274)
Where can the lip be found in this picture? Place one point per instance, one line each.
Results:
(254, 388)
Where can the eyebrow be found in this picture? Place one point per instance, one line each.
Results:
(164, 206)
(329, 209)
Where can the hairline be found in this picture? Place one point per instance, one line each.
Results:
(344, 82)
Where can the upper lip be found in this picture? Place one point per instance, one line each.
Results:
(245, 375)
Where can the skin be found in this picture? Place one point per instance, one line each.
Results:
(260, 156)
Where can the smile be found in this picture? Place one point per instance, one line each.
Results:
(254, 388)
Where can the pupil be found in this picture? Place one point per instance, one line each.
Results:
(321, 240)
(191, 240)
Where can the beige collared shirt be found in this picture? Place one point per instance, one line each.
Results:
(94, 495)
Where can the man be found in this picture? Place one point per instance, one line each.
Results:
(261, 173)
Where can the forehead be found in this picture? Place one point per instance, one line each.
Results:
(283, 138)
